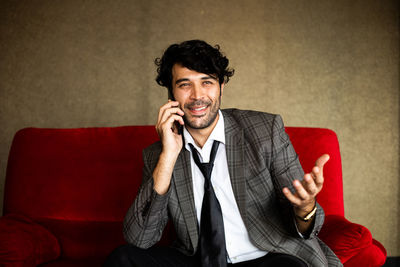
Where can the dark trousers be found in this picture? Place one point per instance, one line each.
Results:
(131, 256)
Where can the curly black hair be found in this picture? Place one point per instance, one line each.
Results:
(195, 55)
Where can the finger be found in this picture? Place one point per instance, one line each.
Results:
(170, 111)
(166, 106)
(321, 162)
(292, 198)
(318, 176)
(300, 190)
(310, 185)
(169, 124)
(175, 126)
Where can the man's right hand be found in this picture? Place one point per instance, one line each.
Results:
(172, 143)
(167, 130)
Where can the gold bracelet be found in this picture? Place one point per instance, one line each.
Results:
(308, 216)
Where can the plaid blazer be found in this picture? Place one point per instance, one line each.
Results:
(261, 161)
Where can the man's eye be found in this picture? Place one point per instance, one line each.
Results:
(184, 85)
(208, 82)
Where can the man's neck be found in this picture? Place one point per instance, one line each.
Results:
(200, 136)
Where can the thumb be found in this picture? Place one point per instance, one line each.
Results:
(322, 160)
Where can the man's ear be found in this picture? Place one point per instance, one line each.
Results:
(221, 91)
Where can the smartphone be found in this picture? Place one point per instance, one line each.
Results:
(179, 127)
(177, 124)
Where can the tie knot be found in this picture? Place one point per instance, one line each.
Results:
(206, 169)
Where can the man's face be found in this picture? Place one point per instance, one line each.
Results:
(199, 96)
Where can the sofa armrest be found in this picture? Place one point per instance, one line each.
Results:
(345, 238)
(373, 256)
(25, 243)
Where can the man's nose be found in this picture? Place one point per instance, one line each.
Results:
(196, 92)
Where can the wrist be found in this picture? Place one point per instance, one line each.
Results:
(168, 157)
(306, 214)
(163, 172)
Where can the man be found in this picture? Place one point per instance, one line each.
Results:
(228, 179)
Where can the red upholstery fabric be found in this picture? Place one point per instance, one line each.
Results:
(373, 255)
(86, 239)
(25, 243)
(75, 174)
(79, 183)
(350, 238)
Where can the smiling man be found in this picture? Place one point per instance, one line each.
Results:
(202, 112)
(229, 180)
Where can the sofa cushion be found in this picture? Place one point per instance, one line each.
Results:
(91, 240)
(24, 242)
(345, 238)
(83, 240)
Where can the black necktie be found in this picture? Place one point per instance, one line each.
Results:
(212, 236)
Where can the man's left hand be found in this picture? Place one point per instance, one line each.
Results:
(303, 199)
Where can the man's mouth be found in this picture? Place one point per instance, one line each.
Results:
(198, 110)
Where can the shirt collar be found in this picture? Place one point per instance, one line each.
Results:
(218, 134)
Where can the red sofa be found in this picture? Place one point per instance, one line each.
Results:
(67, 191)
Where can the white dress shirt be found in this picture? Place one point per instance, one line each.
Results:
(238, 244)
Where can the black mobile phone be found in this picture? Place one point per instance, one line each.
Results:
(177, 124)
(179, 127)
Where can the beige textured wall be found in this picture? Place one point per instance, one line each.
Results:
(321, 63)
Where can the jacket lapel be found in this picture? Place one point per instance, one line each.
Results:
(236, 161)
(182, 176)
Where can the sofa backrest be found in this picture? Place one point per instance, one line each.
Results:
(86, 174)
(93, 174)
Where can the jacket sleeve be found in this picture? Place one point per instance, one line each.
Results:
(285, 167)
(146, 218)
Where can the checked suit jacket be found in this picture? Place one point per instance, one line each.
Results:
(261, 161)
